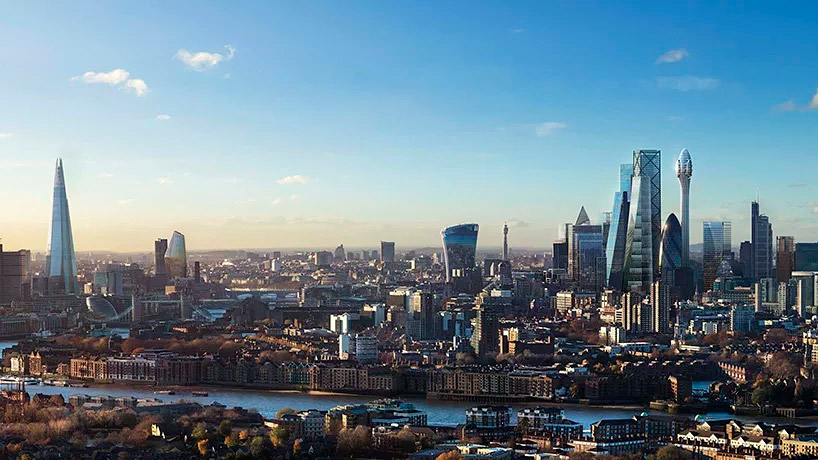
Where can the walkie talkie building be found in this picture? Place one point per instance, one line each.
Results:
(459, 247)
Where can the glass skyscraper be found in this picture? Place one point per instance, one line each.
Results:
(459, 247)
(762, 244)
(670, 252)
(176, 257)
(617, 235)
(717, 247)
(806, 257)
(645, 225)
(61, 262)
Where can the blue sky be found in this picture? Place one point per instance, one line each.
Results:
(305, 124)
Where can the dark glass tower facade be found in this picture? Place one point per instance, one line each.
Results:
(717, 247)
(762, 244)
(459, 247)
(618, 233)
(645, 224)
(61, 262)
(671, 249)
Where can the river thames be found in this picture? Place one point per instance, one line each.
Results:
(267, 403)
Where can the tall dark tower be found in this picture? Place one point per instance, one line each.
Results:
(505, 241)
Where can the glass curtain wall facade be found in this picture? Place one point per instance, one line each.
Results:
(459, 247)
(762, 248)
(176, 257)
(618, 233)
(670, 252)
(61, 262)
(644, 226)
(717, 247)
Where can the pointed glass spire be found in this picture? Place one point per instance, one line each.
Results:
(60, 260)
(582, 218)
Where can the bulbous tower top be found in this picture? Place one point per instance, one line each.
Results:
(684, 165)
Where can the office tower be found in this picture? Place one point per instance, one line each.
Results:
(717, 247)
(160, 247)
(684, 171)
(420, 317)
(459, 248)
(618, 233)
(762, 247)
(387, 252)
(340, 254)
(804, 293)
(671, 250)
(785, 258)
(197, 272)
(806, 257)
(741, 318)
(586, 261)
(559, 259)
(322, 258)
(14, 274)
(631, 302)
(745, 259)
(765, 295)
(176, 257)
(485, 337)
(505, 241)
(660, 301)
(61, 263)
(644, 225)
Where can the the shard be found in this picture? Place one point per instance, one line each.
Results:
(60, 260)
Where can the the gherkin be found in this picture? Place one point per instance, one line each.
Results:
(61, 263)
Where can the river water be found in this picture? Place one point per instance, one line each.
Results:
(267, 403)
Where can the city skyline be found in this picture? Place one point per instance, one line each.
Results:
(241, 142)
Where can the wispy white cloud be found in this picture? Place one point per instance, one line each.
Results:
(202, 60)
(105, 175)
(296, 179)
(112, 78)
(120, 78)
(163, 116)
(672, 56)
(164, 180)
(276, 201)
(295, 197)
(791, 106)
(550, 127)
(788, 106)
(813, 104)
(688, 83)
(125, 201)
(517, 31)
(5, 135)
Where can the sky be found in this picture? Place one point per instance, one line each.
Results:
(315, 123)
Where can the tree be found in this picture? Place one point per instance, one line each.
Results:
(260, 447)
(576, 390)
(203, 447)
(450, 455)
(200, 431)
(231, 441)
(297, 447)
(284, 411)
(225, 428)
(762, 394)
(673, 453)
(279, 436)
